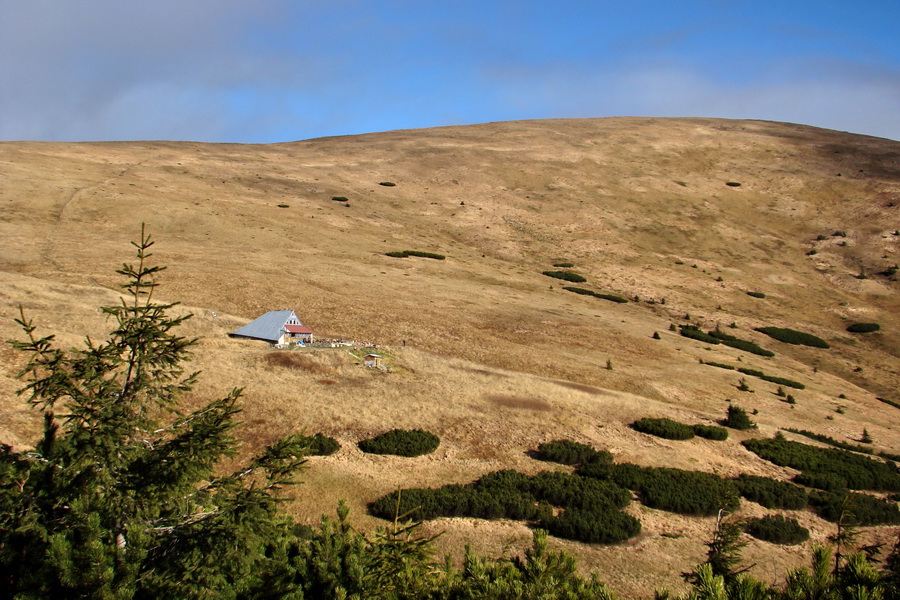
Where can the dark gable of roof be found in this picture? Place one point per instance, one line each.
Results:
(267, 327)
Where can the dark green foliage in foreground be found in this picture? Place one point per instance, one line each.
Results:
(664, 428)
(830, 441)
(591, 507)
(736, 418)
(711, 432)
(736, 342)
(567, 452)
(401, 442)
(777, 529)
(863, 327)
(862, 509)
(791, 336)
(566, 276)
(408, 253)
(674, 490)
(825, 465)
(320, 445)
(122, 496)
(584, 292)
(771, 493)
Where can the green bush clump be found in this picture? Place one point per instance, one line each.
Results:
(584, 292)
(792, 336)
(320, 445)
(574, 491)
(674, 490)
(593, 526)
(720, 365)
(862, 509)
(664, 428)
(408, 253)
(401, 442)
(711, 432)
(771, 493)
(772, 378)
(830, 440)
(863, 327)
(387, 183)
(591, 507)
(830, 482)
(339, 198)
(566, 276)
(694, 332)
(823, 465)
(567, 452)
(777, 530)
(736, 418)
(756, 294)
(736, 342)
(564, 265)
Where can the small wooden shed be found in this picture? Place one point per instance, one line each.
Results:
(373, 361)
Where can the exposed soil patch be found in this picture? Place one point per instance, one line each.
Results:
(303, 362)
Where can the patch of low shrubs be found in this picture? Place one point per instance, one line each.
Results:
(321, 445)
(340, 198)
(567, 452)
(590, 507)
(777, 530)
(756, 294)
(664, 428)
(736, 418)
(771, 378)
(673, 490)
(564, 265)
(858, 509)
(771, 493)
(736, 342)
(863, 327)
(711, 432)
(693, 332)
(565, 276)
(401, 442)
(828, 467)
(408, 253)
(792, 336)
(387, 183)
(830, 440)
(719, 365)
(593, 526)
(584, 292)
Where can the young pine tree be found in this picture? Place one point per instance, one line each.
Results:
(121, 497)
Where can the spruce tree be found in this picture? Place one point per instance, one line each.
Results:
(121, 497)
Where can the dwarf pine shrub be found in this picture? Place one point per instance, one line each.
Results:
(777, 529)
(736, 342)
(693, 332)
(863, 327)
(567, 452)
(756, 294)
(584, 292)
(736, 418)
(771, 493)
(664, 428)
(320, 445)
(822, 466)
(792, 336)
(593, 525)
(565, 276)
(859, 509)
(711, 432)
(401, 442)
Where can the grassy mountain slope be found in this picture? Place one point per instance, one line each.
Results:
(497, 357)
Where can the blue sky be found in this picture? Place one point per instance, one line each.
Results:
(279, 70)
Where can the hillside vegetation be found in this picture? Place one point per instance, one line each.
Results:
(486, 352)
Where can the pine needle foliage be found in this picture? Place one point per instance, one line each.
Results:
(121, 495)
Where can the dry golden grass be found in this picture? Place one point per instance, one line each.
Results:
(484, 350)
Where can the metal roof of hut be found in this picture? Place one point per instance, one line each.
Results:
(268, 327)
